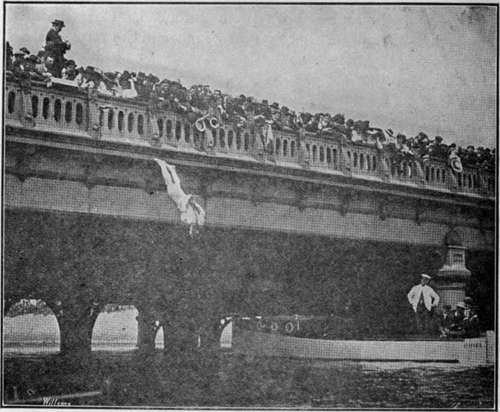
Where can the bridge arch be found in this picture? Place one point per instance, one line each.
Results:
(30, 326)
(117, 329)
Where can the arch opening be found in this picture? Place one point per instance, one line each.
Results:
(116, 329)
(30, 326)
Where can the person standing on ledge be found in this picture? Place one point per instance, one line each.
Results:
(55, 47)
(423, 300)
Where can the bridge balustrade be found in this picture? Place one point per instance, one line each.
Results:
(285, 147)
(48, 108)
(70, 110)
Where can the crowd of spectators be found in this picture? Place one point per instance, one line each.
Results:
(462, 322)
(50, 65)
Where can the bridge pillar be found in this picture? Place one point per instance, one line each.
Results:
(147, 327)
(453, 276)
(76, 321)
(197, 331)
(180, 337)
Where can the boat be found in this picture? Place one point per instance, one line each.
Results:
(291, 337)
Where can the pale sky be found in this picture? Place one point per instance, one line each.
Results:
(410, 68)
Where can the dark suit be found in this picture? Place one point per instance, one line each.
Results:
(55, 47)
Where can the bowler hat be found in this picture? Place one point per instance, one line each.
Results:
(24, 50)
(58, 22)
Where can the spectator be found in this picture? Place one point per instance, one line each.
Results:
(456, 328)
(200, 100)
(423, 300)
(445, 321)
(471, 319)
(18, 63)
(30, 67)
(55, 47)
(69, 71)
(8, 56)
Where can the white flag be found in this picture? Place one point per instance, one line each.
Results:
(191, 212)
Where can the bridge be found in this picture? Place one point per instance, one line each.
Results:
(316, 224)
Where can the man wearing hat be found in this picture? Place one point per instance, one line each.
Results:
(471, 319)
(457, 326)
(55, 47)
(423, 300)
(69, 71)
(30, 66)
(18, 63)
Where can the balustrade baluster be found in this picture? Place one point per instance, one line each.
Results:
(113, 118)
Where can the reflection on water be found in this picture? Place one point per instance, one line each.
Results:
(32, 348)
(227, 379)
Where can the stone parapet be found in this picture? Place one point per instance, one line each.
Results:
(70, 111)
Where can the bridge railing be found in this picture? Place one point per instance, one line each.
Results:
(67, 109)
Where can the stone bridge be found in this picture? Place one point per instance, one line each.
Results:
(318, 225)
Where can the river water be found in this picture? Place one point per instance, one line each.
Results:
(33, 369)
